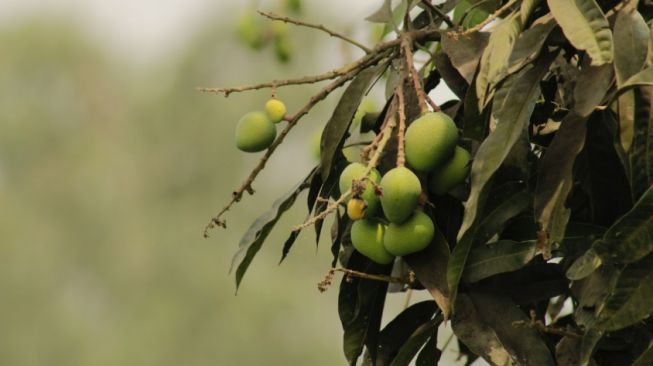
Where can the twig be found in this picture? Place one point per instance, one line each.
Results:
(326, 282)
(379, 48)
(401, 157)
(292, 121)
(539, 325)
(315, 26)
(406, 46)
(387, 131)
(441, 14)
(489, 19)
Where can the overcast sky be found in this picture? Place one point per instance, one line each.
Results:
(154, 27)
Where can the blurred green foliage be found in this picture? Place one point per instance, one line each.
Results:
(107, 176)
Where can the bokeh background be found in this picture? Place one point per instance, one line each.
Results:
(111, 163)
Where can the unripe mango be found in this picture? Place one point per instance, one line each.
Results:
(355, 171)
(409, 237)
(367, 237)
(255, 132)
(430, 141)
(452, 173)
(401, 189)
(275, 110)
(249, 29)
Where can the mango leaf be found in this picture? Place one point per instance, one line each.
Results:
(590, 293)
(586, 27)
(503, 256)
(646, 358)
(465, 51)
(253, 239)
(485, 322)
(495, 57)
(507, 201)
(583, 266)
(456, 83)
(554, 180)
(400, 329)
(430, 267)
(360, 307)
(430, 354)
(409, 350)
(336, 129)
(489, 157)
(631, 299)
(529, 45)
(642, 78)
(527, 8)
(382, 14)
(641, 152)
(631, 37)
(591, 88)
(630, 238)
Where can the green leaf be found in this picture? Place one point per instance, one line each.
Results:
(630, 238)
(554, 178)
(409, 350)
(495, 57)
(528, 45)
(527, 8)
(430, 267)
(382, 14)
(465, 52)
(591, 87)
(430, 354)
(360, 307)
(336, 129)
(641, 152)
(512, 121)
(253, 239)
(507, 201)
(583, 266)
(642, 78)
(646, 358)
(503, 256)
(631, 37)
(456, 83)
(585, 26)
(400, 329)
(631, 299)
(485, 322)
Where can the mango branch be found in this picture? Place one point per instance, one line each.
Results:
(406, 47)
(491, 18)
(387, 132)
(333, 74)
(401, 156)
(246, 186)
(326, 282)
(315, 26)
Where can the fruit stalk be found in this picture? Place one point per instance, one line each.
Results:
(390, 123)
(406, 47)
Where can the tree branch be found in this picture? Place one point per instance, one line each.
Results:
(315, 26)
(246, 186)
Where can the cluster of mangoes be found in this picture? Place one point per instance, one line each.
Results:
(257, 130)
(430, 148)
